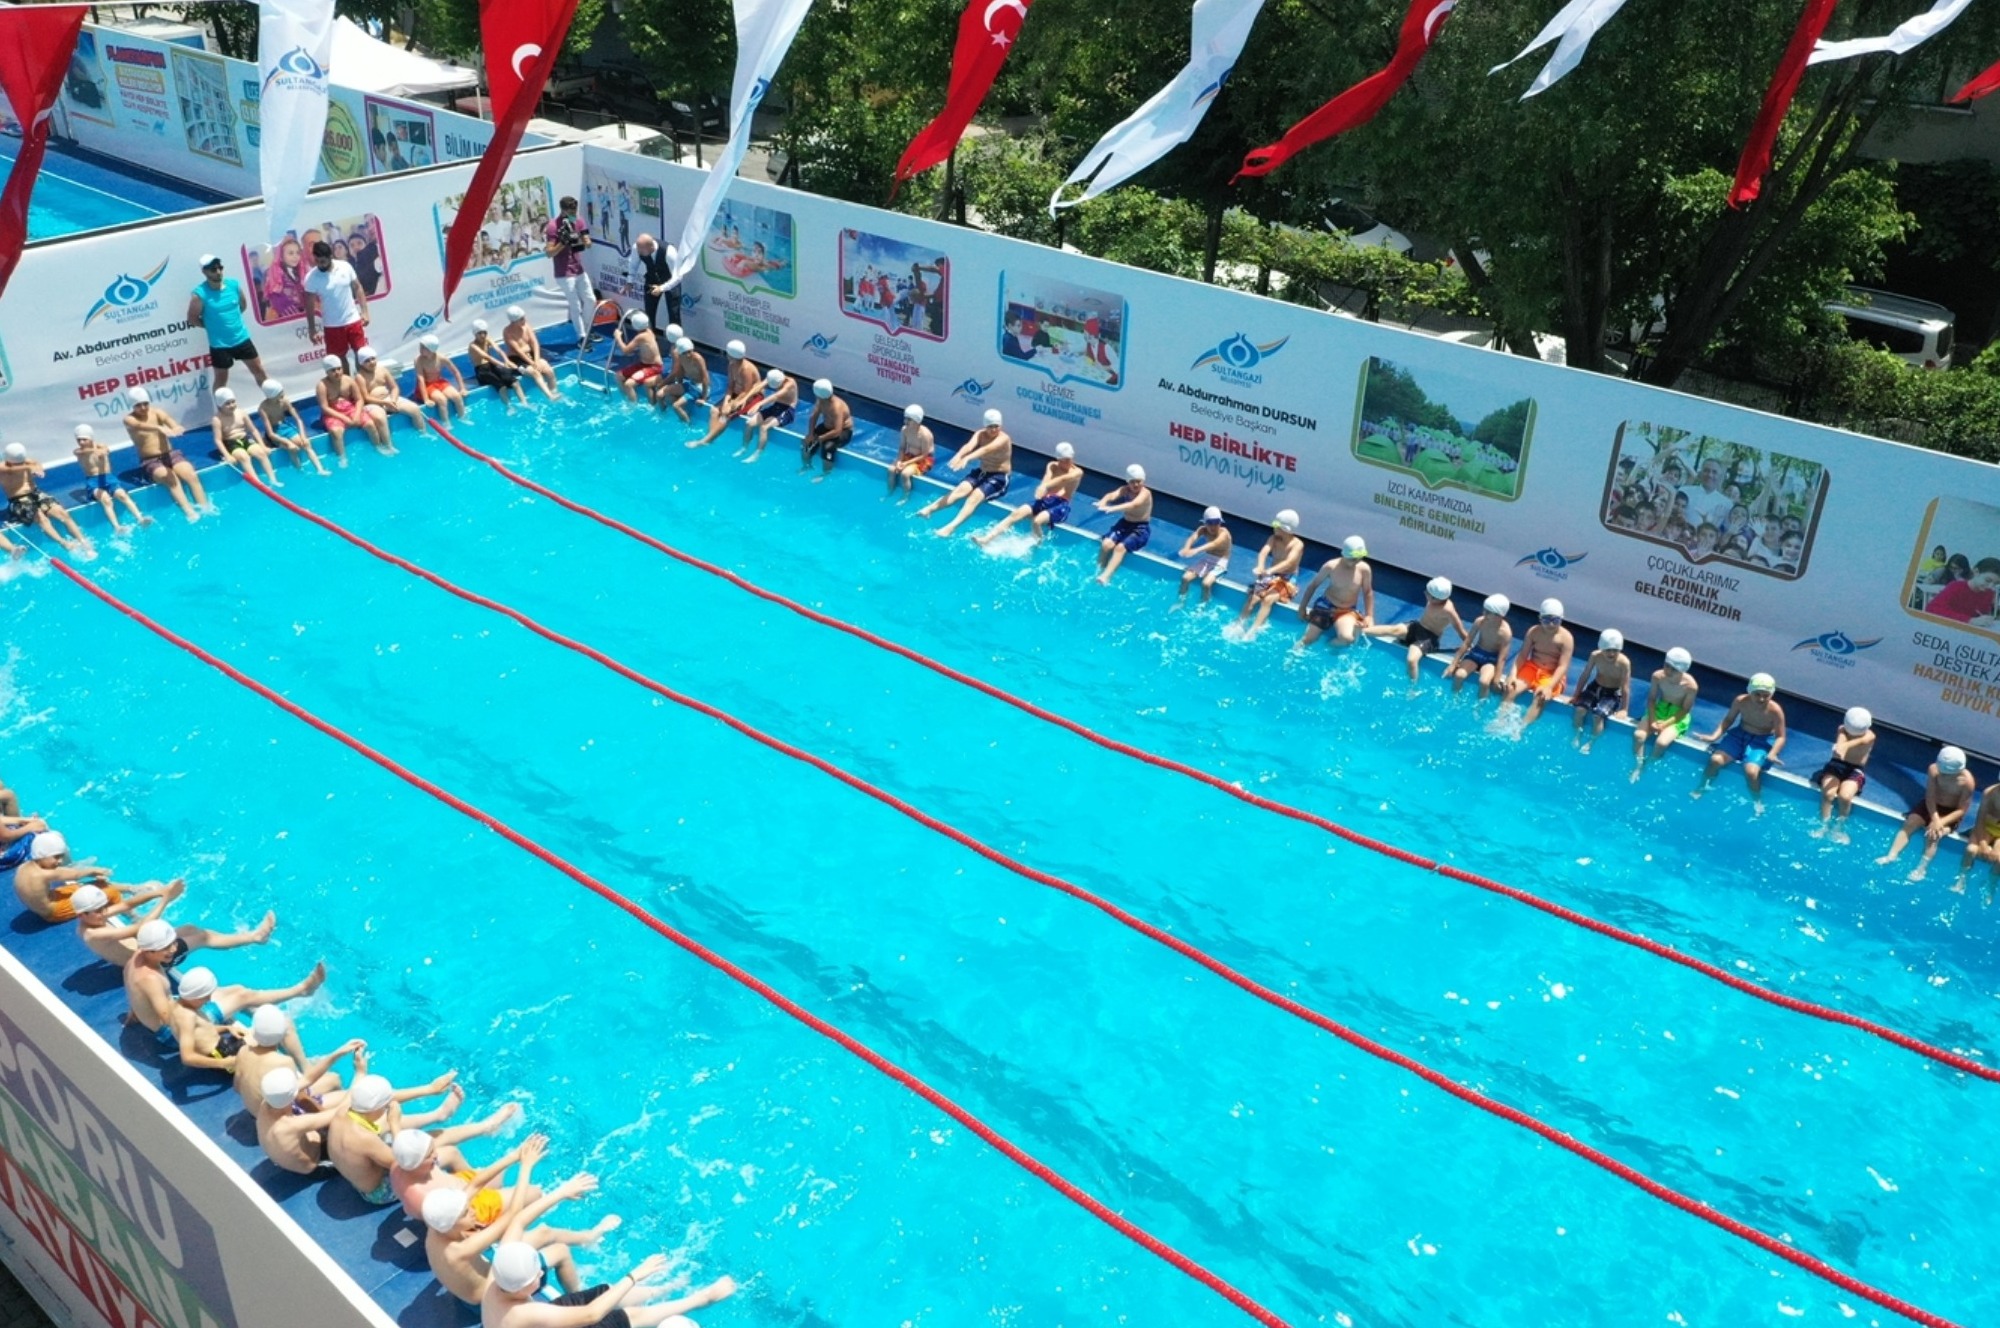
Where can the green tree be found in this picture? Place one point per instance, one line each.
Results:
(1505, 428)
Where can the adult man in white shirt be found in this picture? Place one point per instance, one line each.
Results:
(1708, 505)
(336, 300)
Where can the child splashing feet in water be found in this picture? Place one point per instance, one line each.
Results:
(1483, 653)
(1670, 699)
(1842, 777)
(1947, 798)
(1426, 633)
(1753, 732)
(1605, 689)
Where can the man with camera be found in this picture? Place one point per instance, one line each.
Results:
(568, 237)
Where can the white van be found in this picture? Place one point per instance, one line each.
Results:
(1916, 331)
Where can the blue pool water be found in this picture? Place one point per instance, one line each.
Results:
(76, 193)
(1330, 1186)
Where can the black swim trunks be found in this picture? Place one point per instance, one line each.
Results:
(495, 375)
(831, 443)
(1422, 637)
(1596, 698)
(22, 508)
(241, 353)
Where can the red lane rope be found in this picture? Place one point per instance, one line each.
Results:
(1832, 1015)
(1013, 1152)
(1185, 948)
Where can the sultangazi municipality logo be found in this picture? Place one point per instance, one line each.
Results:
(421, 324)
(1551, 564)
(972, 389)
(1836, 648)
(296, 66)
(820, 344)
(1237, 358)
(127, 297)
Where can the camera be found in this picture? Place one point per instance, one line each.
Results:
(566, 232)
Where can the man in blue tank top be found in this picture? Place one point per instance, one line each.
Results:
(218, 305)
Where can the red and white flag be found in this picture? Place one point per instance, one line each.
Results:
(522, 39)
(1986, 81)
(1358, 105)
(36, 43)
(986, 33)
(1756, 158)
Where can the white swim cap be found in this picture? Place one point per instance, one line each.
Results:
(1498, 605)
(1679, 660)
(268, 1026)
(365, 354)
(1611, 639)
(639, 322)
(683, 345)
(516, 1266)
(225, 394)
(156, 934)
(1135, 471)
(1287, 520)
(330, 363)
(736, 350)
(822, 388)
(1354, 547)
(85, 431)
(1552, 608)
(430, 341)
(279, 1087)
(140, 396)
(410, 1148)
(774, 378)
(371, 1092)
(1438, 587)
(88, 899)
(479, 325)
(17, 451)
(673, 332)
(273, 388)
(47, 844)
(1857, 720)
(913, 413)
(992, 418)
(1065, 451)
(1950, 760)
(516, 312)
(1763, 682)
(443, 1206)
(1211, 515)
(197, 984)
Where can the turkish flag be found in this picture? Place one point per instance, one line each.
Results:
(1986, 81)
(986, 32)
(1358, 105)
(1756, 158)
(36, 42)
(521, 38)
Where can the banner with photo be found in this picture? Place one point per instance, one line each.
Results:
(1856, 571)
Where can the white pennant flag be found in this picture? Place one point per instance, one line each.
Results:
(294, 47)
(1912, 33)
(1170, 118)
(764, 32)
(1579, 21)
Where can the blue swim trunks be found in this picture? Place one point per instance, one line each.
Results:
(1132, 534)
(989, 484)
(1752, 749)
(694, 389)
(781, 411)
(1481, 658)
(1055, 505)
(105, 483)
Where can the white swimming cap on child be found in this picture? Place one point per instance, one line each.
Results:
(683, 345)
(330, 363)
(429, 341)
(371, 1092)
(992, 418)
(1354, 547)
(444, 1205)
(365, 354)
(1135, 471)
(479, 325)
(673, 332)
(1857, 720)
(1611, 639)
(155, 934)
(639, 321)
(410, 1148)
(822, 388)
(736, 350)
(88, 899)
(140, 396)
(197, 984)
(225, 394)
(1211, 515)
(1552, 608)
(1763, 682)
(1498, 605)
(17, 451)
(1950, 760)
(1679, 660)
(268, 1026)
(279, 1087)
(1066, 451)
(516, 1266)
(1287, 520)
(1438, 587)
(773, 378)
(913, 413)
(516, 312)
(47, 844)
(273, 388)
(85, 431)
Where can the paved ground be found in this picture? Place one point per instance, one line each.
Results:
(17, 1310)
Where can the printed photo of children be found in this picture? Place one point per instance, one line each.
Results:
(1064, 331)
(902, 287)
(1714, 500)
(513, 229)
(274, 276)
(751, 247)
(1954, 575)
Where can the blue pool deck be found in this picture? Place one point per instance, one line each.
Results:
(384, 1252)
(81, 191)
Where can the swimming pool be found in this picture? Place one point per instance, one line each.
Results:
(76, 192)
(1328, 1185)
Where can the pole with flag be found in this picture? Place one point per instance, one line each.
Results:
(521, 39)
(1170, 118)
(1571, 31)
(294, 47)
(764, 33)
(36, 43)
(1756, 158)
(1360, 103)
(986, 33)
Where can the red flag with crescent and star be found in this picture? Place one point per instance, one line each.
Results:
(521, 39)
(1756, 158)
(986, 32)
(1359, 104)
(36, 43)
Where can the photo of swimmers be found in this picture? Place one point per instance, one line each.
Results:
(1955, 574)
(902, 287)
(1063, 330)
(751, 247)
(274, 275)
(400, 137)
(1456, 434)
(513, 228)
(1713, 500)
(617, 211)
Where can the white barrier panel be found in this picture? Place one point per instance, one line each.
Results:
(1500, 472)
(125, 1210)
(87, 320)
(191, 115)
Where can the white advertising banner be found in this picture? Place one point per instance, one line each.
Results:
(110, 310)
(123, 1209)
(1848, 567)
(294, 44)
